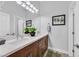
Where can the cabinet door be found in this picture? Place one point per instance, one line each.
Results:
(28, 51)
(34, 49)
(46, 42)
(43, 45)
(37, 48)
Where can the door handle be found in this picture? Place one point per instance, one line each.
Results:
(77, 45)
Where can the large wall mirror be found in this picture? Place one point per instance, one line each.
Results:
(4, 24)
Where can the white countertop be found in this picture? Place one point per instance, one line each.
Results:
(9, 48)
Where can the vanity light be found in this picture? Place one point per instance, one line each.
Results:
(31, 6)
(19, 2)
(36, 10)
(27, 7)
(28, 3)
(23, 5)
(32, 11)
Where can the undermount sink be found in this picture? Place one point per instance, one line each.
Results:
(10, 41)
(19, 42)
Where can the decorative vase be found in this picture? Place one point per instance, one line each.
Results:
(32, 33)
(26, 32)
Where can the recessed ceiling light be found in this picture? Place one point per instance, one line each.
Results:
(23, 5)
(19, 2)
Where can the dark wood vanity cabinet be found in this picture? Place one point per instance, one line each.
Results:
(43, 45)
(36, 49)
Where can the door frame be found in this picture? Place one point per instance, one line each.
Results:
(72, 32)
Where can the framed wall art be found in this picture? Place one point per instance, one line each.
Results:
(28, 23)
(58, 20)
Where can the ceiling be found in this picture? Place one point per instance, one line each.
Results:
(48, 7)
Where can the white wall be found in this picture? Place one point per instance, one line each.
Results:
(59, 35)
(37, 23)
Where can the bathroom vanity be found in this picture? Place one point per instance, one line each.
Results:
(33, 47)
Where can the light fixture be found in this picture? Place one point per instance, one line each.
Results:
(31, 6)
(28, 3)
(36, 10)
(32, 11)
(19, 2)
(23, 5)
(27, 7)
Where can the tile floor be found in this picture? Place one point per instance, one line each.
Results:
(51, 53)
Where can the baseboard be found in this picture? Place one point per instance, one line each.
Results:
(58, 50)
(45, 53)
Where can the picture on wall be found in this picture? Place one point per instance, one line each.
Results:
(28, 23)
(58, 20)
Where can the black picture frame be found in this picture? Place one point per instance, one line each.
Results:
(28, 23)
(58, 20)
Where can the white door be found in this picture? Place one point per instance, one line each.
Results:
(76, 27)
